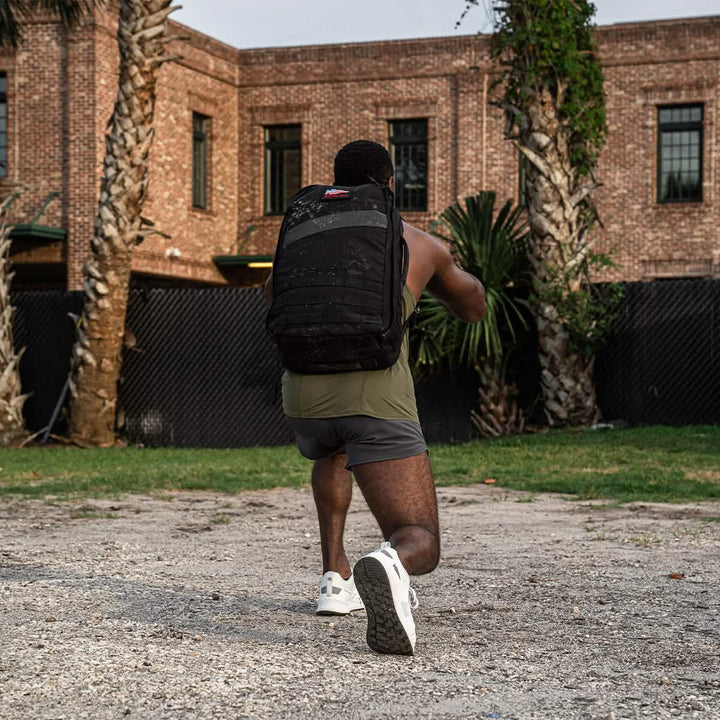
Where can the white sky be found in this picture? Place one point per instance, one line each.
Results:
(273, 23)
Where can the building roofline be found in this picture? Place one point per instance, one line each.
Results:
(230, 52)
(660, 22)
(365, 43)
(663, 22)
(207, 43)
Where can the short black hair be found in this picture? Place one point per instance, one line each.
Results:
(363, 161)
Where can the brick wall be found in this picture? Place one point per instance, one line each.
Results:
(203, 80)
(344, 92)
(79, 145)
(37, 153)
(62, 89)
(647, 65)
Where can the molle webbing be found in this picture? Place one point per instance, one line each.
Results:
(339, 270)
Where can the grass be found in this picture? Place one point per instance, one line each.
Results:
(89, 511)
(648, 464)
(659, 464)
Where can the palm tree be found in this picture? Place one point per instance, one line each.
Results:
(12, 423)
(494, 249)
(142, 38)
(554, 103)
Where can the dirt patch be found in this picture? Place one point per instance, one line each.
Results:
(707, 475)
(200, 605)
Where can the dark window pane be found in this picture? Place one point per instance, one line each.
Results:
(409, 152)
(201, 132)
(680, 136)
(283, 166)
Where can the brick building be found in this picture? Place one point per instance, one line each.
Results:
(240, 130)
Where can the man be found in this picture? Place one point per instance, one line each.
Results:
(365, 423)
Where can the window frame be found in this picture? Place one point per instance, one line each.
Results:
(395, 140)
(201, 136)
(686, 126)
(269, 147)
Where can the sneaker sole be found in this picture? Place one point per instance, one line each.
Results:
(385, 631)
(330, 608)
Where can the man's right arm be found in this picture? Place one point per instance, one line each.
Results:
(462, 293)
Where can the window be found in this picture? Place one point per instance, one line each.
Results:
(283, 169)
(680, 130)
(3, 125)
(201, 141)
(409, 152)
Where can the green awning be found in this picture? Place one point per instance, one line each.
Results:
(33, 231)
(243, 260)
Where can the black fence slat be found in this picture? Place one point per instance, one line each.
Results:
(45, 332)
(661, 364)
(202, 371)
(444, 407)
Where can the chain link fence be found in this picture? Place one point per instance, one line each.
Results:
(203, 372)
(662, 362)
(44, 328)
(200, 371)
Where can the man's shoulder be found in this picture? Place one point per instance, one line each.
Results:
(419, 239)
(412, 231)
(429, 246)
(428, 255)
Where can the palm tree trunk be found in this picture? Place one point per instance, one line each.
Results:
(566, 378)
(12, 423)
(560, 244)
(498, 414)
(142, 36)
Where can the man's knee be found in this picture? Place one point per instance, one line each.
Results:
(433, 553)
(427, 542)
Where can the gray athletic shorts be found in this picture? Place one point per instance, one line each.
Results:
(364, 439)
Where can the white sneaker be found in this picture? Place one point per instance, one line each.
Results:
(337, 596)
(384, 586)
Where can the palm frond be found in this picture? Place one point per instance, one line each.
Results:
(70, 12)
(10, 14)
(493, 247)
(14, 12)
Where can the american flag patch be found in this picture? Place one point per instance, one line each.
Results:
(335, 194)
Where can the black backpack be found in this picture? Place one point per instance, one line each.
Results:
(338, 277)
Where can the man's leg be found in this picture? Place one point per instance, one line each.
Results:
(332, 489)
(401, 496)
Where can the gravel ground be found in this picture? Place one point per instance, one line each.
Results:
(201, 606)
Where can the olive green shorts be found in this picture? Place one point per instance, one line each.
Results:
(364, 439)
